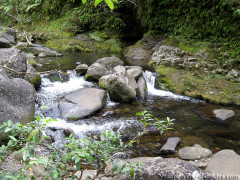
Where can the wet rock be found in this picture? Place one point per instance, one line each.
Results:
(194, 153)
(15, 59)
(102, 67)
(33, 77)
(225, 163)
(8, 38)
(142, 88)
(170, 146)
(137, 56)
(17, 99)
(56, 76)
(168, 168)
(108, 114)
(120, 86)
(68, 132)
(82, 103)
(31, 59)
(223, 114)
(81, 69)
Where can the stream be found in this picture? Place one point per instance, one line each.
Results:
(194, 119)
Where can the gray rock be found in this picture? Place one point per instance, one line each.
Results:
(170, 146)
(233, 73)
(223, 114)
(38, 50)
(39, 171)
(81, 69)
(56, 76)
(142, 88)
(33, 77)
(68, 132)
(169, 168)
(194, 153)
(17, 99)
(86, 174)
(13, 59)
(8, 38)
(42, 55)
(200, 163)
(225, 163)
(108, 114)
(170, 56)
(82, 103)
(102, 67)
(134, 71)
(137, 56)
(120, 86)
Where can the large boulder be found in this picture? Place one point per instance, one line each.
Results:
(120, 86)
(102, 67)
(225, 163)
(7, 38)
(17, 99)
(82, 103)
(14, 59)
(137, 56)
(159, 168)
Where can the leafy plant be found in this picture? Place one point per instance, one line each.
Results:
(75, 155)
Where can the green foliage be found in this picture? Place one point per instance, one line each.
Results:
(147, 120)
(195, 18)
(75, 155)
(2, 32)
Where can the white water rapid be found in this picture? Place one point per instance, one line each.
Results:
(51, 92)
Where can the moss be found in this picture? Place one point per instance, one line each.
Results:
(36, 81)
(183, 82)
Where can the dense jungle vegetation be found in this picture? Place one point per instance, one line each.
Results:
(215, 20)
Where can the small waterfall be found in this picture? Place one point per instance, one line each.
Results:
(150, 79)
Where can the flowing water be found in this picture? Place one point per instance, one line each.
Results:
(194, 119)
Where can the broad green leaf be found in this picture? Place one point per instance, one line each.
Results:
(65, 157)
(7, 130)
(91, 159)
(10, 123)
(126, 169)
(132, 174)
(84, 1)
(104, 156)
(78, 165)
(36, 138)
(97, 2)
(110, 4)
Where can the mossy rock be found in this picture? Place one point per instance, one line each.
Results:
(218, 91)
(36, 81)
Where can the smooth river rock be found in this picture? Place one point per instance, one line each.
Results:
(225, 163)
(194, 153)
(223, 114)
(164, 168)
(82, 103)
